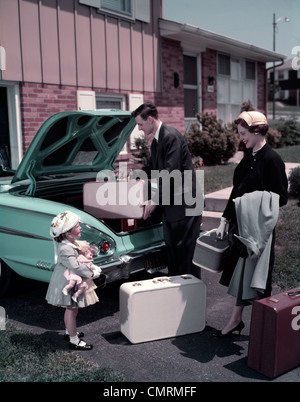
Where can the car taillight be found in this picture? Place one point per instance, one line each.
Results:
(102, 243)
(105, 247)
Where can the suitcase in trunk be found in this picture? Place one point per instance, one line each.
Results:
(209, 251)
(163, 307)
(274, 344)
(115, 199)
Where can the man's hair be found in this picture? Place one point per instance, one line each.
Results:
(146, 110)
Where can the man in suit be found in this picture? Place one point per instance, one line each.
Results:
(171, 161)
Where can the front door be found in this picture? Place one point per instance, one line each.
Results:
(4, 131)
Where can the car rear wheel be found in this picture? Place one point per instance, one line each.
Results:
(6, 278)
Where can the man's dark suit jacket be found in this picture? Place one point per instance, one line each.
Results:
(172, 154)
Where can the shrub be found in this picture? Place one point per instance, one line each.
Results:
(215, 143)
(294, 179)
(289, 129)
(274, 138)
(143, 154)
(247, 106)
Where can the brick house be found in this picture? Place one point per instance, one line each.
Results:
(58, 55)
(287, 83)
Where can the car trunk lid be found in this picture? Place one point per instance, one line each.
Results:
(73, 142)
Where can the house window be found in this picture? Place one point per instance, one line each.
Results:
(223, 64)
(118, 6)
(112, 102)
(138, 9)
(191, 104)
(236, 84)
(250, 70)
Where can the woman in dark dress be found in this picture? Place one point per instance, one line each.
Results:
(261, 169)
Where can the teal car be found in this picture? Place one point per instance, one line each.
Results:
(69, 150)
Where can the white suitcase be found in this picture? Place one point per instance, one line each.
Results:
(163, 307)
(115, 199)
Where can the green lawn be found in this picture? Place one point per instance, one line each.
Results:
(290, 154)
(25, 357)
(287, 247)
(218, 177)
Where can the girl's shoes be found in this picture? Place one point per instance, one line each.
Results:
(238, 328)
(81, 346)
(79, 334)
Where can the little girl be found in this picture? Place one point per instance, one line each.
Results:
(85, 257)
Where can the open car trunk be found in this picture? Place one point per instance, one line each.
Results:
(73, 195)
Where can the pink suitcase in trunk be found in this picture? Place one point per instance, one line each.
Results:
(115, 199)
(274, 344)
(163, 307)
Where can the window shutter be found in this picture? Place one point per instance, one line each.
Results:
(135, 100)
(2, 59)
(142, 10)
(86, 100)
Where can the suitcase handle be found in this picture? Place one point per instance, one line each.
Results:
(161, 280)
(168, 279)
(294, 294)
(186, 277)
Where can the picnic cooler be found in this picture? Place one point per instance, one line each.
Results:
(209, 251)
(115, 199)
(274, 344)
(163, 307)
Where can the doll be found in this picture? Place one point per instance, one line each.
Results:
(85, 257)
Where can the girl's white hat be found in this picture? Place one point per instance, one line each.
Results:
(62, 223)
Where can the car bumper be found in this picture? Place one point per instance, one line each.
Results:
(140, 260)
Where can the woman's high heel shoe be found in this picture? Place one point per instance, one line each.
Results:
(238, 328)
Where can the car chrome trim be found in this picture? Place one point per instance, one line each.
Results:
(123, 263)
(14, 232)
(45, 266)
(26, 210)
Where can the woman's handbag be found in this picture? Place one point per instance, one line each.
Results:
(209, 251)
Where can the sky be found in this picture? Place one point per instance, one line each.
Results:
(250, 21)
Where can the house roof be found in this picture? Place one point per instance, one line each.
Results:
(287, 65)
(196, 39)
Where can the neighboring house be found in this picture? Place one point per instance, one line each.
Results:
(287, 83)
(58, 55)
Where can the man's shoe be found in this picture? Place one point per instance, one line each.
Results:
(81, 346)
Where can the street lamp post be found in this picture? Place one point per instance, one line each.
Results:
(275, 22)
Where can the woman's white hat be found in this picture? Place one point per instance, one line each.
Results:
(62, 223)
(253, 118)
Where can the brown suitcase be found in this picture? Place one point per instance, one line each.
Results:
(274, 344)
